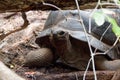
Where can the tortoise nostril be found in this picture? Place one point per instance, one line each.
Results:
(61, 33)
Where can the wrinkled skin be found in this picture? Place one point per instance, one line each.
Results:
(66, 38)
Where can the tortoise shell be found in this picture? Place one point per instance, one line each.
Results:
(64, 34)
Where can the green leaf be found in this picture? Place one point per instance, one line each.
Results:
(99, 18)
(115, 26)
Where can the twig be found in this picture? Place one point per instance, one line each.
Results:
(76, 76)
(26, 23)
(48, 4)
(111, 47)
(116, 3)
(102, 36)
(108, 4)
(71, 76)
(92, 15)
(92, 55)
(85, 73)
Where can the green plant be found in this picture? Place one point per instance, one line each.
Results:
(100, 18)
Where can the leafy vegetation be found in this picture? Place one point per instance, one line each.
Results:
(100, 18)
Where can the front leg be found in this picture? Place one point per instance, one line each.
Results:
(39, 57)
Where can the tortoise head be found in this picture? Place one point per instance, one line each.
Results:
(59, 37)
(59, 40)
(53, 38)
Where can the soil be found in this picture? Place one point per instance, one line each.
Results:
(15, 46)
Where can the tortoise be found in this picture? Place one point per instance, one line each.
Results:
(65, 37)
